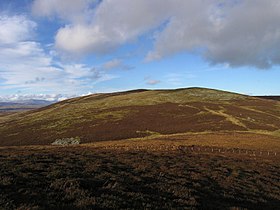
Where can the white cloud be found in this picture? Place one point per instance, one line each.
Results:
(24, 62)
(15, 29)
(26, 97)
(21, 59)
(72, 10)
(108, 28)
(239, 33)
(81, 39)
(27, 65)
(246, 33)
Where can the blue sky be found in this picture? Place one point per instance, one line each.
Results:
(52, 50)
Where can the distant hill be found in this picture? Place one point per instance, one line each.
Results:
(141, 113)
(276, 98)
(22, 105)
(26, 102)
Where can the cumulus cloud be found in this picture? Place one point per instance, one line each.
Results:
(28, 65)
(112, 23)
(14, 29)
(241, 34)
(238, 33)
(73, 10)
(21, 59)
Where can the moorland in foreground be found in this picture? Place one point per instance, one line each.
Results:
(150, 174)
(167, 149)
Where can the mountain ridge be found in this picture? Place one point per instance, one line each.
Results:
(141, 113)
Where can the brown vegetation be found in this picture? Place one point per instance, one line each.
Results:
(277, 98)
(157, 176)
(116, 116)
(181, 149)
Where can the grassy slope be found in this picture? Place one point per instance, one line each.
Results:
(141, 113)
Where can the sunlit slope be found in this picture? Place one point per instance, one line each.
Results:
(141, 113)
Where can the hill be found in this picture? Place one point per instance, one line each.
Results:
(277, 98)
(9, 108)
(141, 113)
(19, 106)
(29, 102)
(147, 149)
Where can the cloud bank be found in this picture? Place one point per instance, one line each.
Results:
(238, 33)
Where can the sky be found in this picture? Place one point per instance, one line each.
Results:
(53, 49)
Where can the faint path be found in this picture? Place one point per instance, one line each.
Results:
(228, 117)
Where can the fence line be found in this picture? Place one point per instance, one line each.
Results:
(199, 149)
